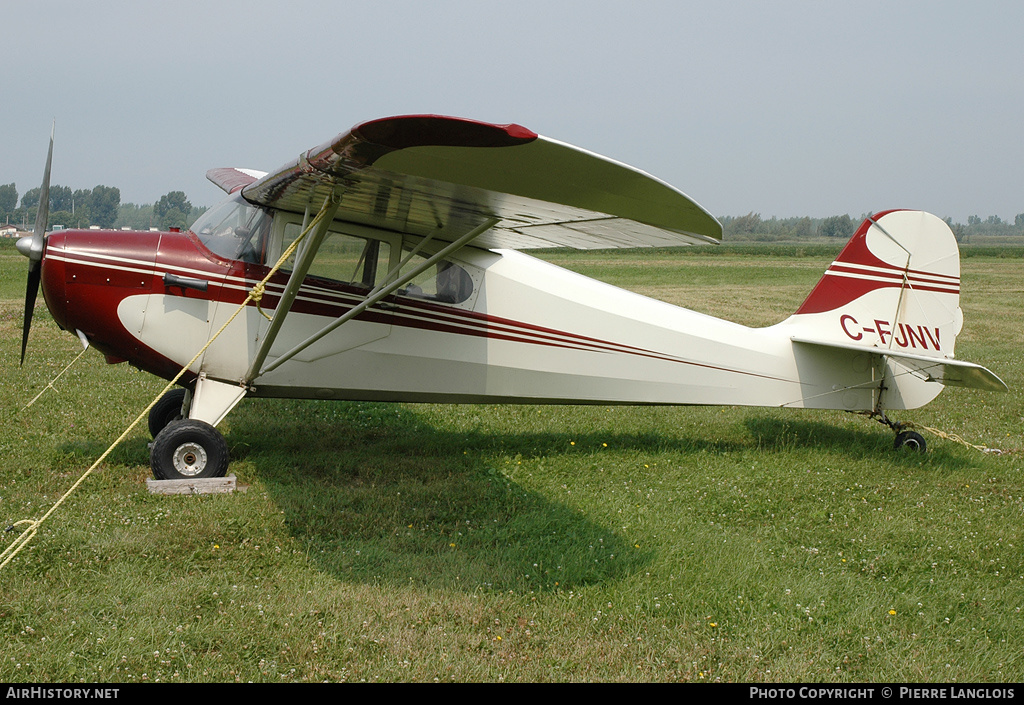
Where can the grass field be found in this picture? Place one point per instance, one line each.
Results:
(384, 542)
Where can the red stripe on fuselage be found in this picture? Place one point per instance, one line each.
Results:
(230, 281)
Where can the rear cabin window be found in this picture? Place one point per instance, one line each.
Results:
(446, 282)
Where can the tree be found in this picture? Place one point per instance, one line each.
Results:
(959, 231)
(194, 214)
(802, 227)
(748, 223)
(62, 198)
(80, 197)
(172, 210)
(1018, 220)
(8, 199)
(62, 218)
(135, 217)
(840, 226)
(31, 198)
(104, 202)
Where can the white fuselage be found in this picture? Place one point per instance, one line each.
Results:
(531, 333)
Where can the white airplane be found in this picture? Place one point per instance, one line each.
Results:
(408, 284)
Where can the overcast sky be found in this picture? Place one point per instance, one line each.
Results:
(782, 108)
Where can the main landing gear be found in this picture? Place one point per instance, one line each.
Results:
(184, 448)
(169, 408)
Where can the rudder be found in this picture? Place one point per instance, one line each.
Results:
(894, 287)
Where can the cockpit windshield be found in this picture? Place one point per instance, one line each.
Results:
(234, 229)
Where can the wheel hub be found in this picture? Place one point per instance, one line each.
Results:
(189, 459)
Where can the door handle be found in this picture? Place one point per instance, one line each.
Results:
(185, 282)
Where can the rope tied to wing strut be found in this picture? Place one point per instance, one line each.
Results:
(256, 294)
(33, 525)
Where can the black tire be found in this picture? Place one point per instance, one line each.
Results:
(188, 449)
(166, 410)
(910, 440)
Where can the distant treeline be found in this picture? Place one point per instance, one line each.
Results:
(99, 206)
(753, 228)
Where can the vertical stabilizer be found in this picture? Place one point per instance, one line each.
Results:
(894, 287)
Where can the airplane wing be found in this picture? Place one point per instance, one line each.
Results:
(423, 174)
(233, 179)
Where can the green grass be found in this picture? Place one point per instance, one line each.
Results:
(387, 542)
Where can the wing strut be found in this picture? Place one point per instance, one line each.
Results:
(374, 296)
(303, 259)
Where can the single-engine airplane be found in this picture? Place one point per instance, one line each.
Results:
(409, 285)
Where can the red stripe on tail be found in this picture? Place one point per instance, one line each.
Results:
(843, 284)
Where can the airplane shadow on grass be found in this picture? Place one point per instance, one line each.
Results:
(779, 435)
(377, 493)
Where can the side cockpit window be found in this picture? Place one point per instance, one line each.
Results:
(363, 257)
(344, 258)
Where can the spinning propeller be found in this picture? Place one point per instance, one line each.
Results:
(32, 247)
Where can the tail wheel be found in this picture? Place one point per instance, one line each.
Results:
(909, 440)
(188, 449)
(168, 409)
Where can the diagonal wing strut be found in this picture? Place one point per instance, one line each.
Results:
(303, 260)
(393, 282)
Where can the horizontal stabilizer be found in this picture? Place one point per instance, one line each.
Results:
(951, 373)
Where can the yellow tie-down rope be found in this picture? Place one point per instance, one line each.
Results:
(50, 385)
(254, 295)
(953, 437)
(899, 426)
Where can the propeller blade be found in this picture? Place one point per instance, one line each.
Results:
(34, 272)
(43, 213)
(35, 249)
